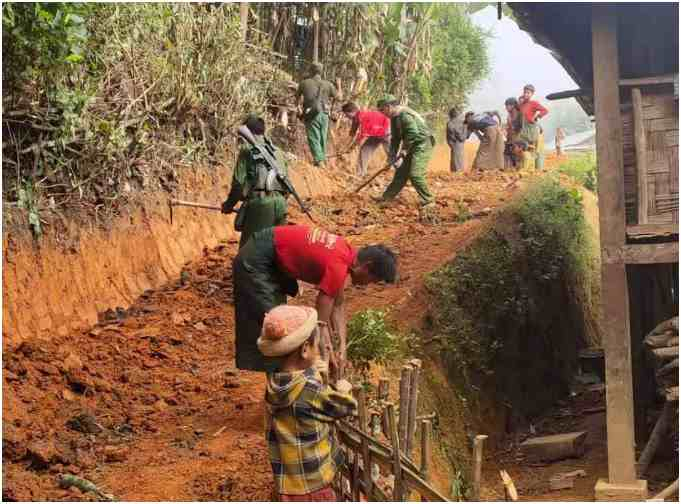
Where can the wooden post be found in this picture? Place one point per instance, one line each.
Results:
(413, 398)
(641, 155)
(366, 455)
(383, 395)
(243, 11)
(477, 469)
(655, 438)
(616, 338)
(405, 384)
(426, 435)
(397, 465)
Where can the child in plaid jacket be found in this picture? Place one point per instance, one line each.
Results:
(300, 409)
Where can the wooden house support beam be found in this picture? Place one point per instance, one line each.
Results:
(649, 253)
(616, 337)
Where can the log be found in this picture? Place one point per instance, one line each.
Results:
(509, 486)
(405, 384)
(673, 341)
(555, 447)
(655, 439)
(658, 340)
(413, 399)
(670, 367)
(672, 394)
(562, 481)
(397, 466)
(667, 492)
(477, 467)
(665, 353)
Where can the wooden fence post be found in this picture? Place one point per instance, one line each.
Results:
(366, 456)
(405, 384)
(477, 469)
(397, 464)
(426, 435)
(383, 395)
(413, 398)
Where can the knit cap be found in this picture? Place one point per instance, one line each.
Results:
(286, 328)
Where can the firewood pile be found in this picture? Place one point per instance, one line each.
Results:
(662, 345)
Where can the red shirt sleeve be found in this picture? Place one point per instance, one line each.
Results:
(539, 107)
(333, 280)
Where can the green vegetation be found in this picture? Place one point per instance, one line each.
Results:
(510, 313)
(371, 339)
(102, 102)
(582, 169)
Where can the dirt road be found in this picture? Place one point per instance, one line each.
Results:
(148, 405)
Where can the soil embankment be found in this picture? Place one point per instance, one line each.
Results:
(66, 282)
(147, 404)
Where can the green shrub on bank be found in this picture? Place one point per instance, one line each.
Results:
(510, 309)
(583, 169)
(371, 339)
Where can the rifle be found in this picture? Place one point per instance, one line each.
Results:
(267, 156)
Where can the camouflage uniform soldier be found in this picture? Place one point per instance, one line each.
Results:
(409, 130)
(316, 93)
(264, 200)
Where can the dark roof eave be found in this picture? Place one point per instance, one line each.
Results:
(524, 19)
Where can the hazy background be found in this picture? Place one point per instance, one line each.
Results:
(516, 60)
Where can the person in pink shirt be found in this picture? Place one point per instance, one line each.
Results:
(371, 129)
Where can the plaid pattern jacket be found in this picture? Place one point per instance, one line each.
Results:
(300, 412)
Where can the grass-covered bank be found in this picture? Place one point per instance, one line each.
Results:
(508, 316)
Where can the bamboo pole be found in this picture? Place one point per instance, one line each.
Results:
(413, 398)
(397, 465)
(243, 11)
(667, 492)
(405, 384)
(477, 469)
(383, 396)
(426, 435)
(366, 456)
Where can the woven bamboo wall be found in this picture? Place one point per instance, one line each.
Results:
(661, 123)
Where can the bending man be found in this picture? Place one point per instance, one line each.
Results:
(267, 269)
(370, 125)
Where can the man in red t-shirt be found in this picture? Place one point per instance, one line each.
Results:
(531, 131)
(267, 269)
(371, 125)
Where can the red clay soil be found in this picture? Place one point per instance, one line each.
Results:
(167, 417)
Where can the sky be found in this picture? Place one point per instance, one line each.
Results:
(515, 61)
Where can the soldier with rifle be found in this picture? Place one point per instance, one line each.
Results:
(316, 94)
(260, 182)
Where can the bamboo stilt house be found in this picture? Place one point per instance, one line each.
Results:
(624, 58)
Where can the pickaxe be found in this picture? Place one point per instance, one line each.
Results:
(382, 170)
(176, 202)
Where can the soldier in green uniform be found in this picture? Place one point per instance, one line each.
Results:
(316, 93)
(262, 196)
(410, 131)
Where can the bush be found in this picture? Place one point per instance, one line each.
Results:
(103, 100)
(512, 309)
(371, 339)
(583, 169)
